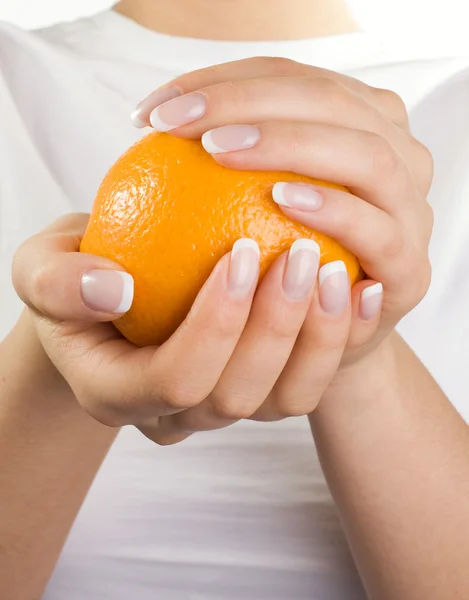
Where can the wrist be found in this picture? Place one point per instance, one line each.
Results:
(366, 384)
(29, 367)
(35, 396)
(375, 367)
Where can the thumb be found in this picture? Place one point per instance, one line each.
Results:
(51, 276)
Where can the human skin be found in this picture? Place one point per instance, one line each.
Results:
(242, 19)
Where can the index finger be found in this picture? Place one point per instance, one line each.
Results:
(386, 101)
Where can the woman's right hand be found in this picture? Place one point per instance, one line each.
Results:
(229, 355)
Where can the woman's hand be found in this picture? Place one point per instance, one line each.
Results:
(222, 362)
(276, 114)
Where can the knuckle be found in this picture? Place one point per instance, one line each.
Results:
(110, 407)
(277, 65)
(282, 325)
(296, 142)
(110, 414)
(323, 341)
(348, 218)
(16, 273)
(21, 259)
(422, 279)
(413, 275)
(162, 435)
(281, 331)
(384, 160)
(394, 99)
(236, 94)
(225, 322)
(428, 218)
(395, 104)
(425, 161)
(392, 245)
(178, 396)
(328, 86)
(425, 155)
(109, 419)
(196, 79)
(40, 284)
(295, 407)
(233, 408)
(330, 343)
(354, 347)
(331, 94)
(167, 440)
(73, 224)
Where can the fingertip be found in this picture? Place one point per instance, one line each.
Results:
(209, 145)
(128, 293)
(367, 302)
(372, 290)
(243, 244)
(371, 300)
(140, 116)
(243, 273)
(107, 290)
(297, 196)
(137, 120)
(334, 288)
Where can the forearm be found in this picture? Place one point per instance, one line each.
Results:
(50, 451)
(396, 457)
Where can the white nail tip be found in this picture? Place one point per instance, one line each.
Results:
(157, 123)
(244, 243)
(278, 193)
(127, 292)
(135, 118)
(331, 268)
(373, 290)
(209, 145)
(305, 244)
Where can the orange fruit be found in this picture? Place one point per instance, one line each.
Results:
(167, 212)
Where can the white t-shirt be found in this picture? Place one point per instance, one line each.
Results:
(241, 513)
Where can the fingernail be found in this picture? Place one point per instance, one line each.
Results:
(370, 301)
(297, 195)
(178, 111)
(334, 287)
(244, 267)
(140, 117)
(301, 269)
(231, 138)
(107, 291)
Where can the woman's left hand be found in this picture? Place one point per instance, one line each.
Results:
(275, 114)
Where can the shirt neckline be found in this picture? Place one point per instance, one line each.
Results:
(336, 52)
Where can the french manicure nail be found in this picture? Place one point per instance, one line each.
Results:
(371, 300)
(140, 117)
(231, 138)
(301, 269)
(178, 111)
(136, 116)
(296, 195)
(334, 287)
(107, 291)
(244, 267)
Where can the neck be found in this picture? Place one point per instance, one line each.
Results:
(241, 19)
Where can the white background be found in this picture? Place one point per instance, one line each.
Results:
(442, 22)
